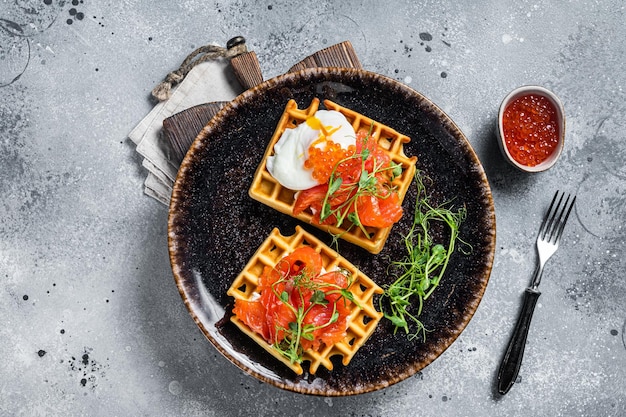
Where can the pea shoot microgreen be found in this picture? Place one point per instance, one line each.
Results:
(418, 274)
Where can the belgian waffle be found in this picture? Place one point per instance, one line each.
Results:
(267, 190)
(362, 319)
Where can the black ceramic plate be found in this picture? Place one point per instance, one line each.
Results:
(214, 227)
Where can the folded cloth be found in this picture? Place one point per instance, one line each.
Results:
(206, 82)
(212, 75)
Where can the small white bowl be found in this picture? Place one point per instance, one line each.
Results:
(560, 113)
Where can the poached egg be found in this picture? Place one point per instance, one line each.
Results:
(292, 148)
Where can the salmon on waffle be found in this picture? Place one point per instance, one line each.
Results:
(337, 170)
(303, 302)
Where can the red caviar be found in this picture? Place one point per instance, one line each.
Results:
(374, 204)
(322, 161)
(531, 129)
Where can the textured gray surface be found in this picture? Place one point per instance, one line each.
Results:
(92, 323)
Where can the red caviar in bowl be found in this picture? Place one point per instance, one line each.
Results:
(531, 129)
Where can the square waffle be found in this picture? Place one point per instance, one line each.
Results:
(361, 321)
(267, 190)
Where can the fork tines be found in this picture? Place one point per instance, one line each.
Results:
(556, 217)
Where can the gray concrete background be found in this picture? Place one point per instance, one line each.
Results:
(92, 323)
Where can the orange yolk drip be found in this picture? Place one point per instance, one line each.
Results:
(325, 131)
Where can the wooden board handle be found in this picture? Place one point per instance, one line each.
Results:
(339, 55)
(247, 69)
(182, 128)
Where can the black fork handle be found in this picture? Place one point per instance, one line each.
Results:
(512, 360)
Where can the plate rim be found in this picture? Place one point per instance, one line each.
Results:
(487, 202)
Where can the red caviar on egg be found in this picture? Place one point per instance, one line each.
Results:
(531, 129)
(355, 184)
(322, 161)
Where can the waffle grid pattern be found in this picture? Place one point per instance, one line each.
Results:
(267, 190)
(362, 320)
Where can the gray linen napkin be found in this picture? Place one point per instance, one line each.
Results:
(206, 82)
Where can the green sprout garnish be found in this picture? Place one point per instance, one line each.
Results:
(418, 274)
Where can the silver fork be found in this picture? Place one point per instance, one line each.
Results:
(547, 244)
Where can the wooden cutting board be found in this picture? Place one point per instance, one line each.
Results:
(182, 128)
